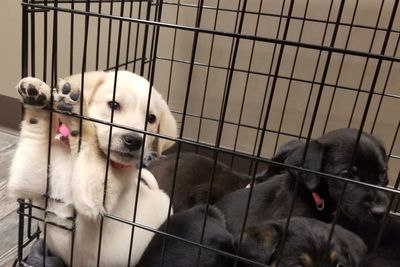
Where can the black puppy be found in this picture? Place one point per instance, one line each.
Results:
(387, 252)
(333, 153)
(188, 225)
(306, 244)
(193, 177)
(37, 253)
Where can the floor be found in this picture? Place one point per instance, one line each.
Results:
(8, 215)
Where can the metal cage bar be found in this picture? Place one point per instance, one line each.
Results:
(145, 21)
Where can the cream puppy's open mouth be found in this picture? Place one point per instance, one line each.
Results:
(124, 157)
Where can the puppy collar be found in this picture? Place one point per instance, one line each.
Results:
(319, 201)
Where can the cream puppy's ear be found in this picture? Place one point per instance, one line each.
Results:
(167, 126)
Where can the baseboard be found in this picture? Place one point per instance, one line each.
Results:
(10, 116)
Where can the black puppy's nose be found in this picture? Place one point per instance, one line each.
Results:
(378, 212)
(132, 142)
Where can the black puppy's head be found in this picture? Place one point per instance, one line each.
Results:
(306, 244)
(336, 153)
(188, 225)
(369, 164)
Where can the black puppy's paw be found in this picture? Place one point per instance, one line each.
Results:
(34, 92)
(67, 97)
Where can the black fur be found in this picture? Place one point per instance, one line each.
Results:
(306, 244)
(387, 253)
(332, 153)
(188, 225)
(193, 177)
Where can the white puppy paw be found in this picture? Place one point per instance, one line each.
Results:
(67, 97)
(34, 92)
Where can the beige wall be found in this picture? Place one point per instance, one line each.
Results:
(360, 39)
(298, 91)
(10, 44)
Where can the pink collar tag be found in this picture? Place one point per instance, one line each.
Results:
(319, 202)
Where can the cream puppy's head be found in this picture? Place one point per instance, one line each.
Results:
(129, 110)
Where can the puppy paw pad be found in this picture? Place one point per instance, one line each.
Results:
(34, 92)
(62, 106)
(75, 96)
(67, 97)
(66, 89)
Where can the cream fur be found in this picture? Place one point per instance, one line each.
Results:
(77, 178)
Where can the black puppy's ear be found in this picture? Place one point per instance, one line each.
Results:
(284, 152)
(292, 153)
(261, 242)
(353, 246)
(217, 214)
(313, 161)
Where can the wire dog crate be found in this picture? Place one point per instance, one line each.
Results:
(241, 77)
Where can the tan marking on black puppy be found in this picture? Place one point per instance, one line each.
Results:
(306, 244)
(333, 256)
(306, 259)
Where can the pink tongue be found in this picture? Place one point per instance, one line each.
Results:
(119, 165)
(63, 130)
(317, 199)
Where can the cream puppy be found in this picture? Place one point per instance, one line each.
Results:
(77, 176)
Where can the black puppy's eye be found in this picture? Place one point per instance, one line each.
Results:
(340, 265)
(151, 118)
(354, 169)
(383, 179)
(346, 174)
(114, 105)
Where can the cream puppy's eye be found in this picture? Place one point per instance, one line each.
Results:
(114, 105)
(151, 118)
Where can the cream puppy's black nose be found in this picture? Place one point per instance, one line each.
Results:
(132, 141)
